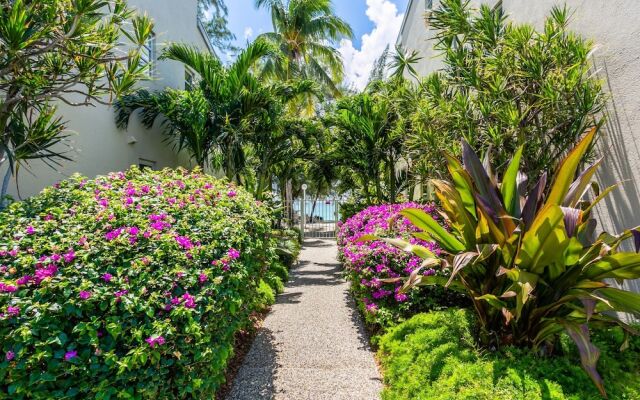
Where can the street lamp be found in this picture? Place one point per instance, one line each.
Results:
(303, 211)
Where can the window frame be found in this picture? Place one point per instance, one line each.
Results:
(148, 54)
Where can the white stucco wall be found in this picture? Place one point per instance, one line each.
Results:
(614, 26)
(98, 147)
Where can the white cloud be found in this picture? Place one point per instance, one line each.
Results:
(359, 62)
(248, 33)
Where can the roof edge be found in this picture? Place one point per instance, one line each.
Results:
(205, 37)
(404, 20)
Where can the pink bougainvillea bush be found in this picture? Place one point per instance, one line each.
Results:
(368, 264)
(131, 285)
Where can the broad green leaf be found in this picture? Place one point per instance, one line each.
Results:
(493, 301)
(622, 300)
(487, 232)
(439, 281)
(616, 266)
(544, 242)
(509, 187)
(462, 183)
(425, 222)
(459, 217)
(567, 170)
(418, 250)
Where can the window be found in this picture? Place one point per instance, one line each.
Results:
(189, 79)
(144, 164)
(148, 54)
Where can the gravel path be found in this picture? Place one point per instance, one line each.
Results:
(312, 344)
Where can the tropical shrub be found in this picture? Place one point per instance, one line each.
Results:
(368, 266)
(131, 285)
(434, 356)
(503, 84)
(529, 264)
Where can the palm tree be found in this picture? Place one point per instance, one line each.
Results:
(304, 31)
(368, 132)
(210, 122)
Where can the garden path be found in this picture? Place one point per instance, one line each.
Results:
(313, 344)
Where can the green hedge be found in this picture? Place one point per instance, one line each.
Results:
(129, 286)
(433, 356)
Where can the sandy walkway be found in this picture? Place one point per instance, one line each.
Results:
(312, 344)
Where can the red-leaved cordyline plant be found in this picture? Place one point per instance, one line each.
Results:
(528, 261)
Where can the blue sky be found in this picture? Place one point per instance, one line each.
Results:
(375, 23)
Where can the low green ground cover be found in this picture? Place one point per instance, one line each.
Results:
(434, 356)
(131, 285)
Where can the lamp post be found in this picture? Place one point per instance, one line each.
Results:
(303, 211)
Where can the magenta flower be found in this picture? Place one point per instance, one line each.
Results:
(113, 235)
(70, 355)
(4, 288)
(44, 273)
(160, 225)
(184, 242)
(69, 256)
(82, 241)
(107, 277)
(30, 230)
(13, 311)
(400, 297)
(120, 293)
(233, 254)
(232, 193)
(189, 301)
(155, 340)
(145, 189)
(24, 280)
(84, 295)
(10, 355)
(203, 278)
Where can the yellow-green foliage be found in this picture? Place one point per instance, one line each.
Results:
(432, 356)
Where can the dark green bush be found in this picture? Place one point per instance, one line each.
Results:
(433, 356)
(129, 286)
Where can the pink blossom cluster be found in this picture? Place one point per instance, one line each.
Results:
(369, 264)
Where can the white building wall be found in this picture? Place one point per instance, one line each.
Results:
(614, 26)
(98, 146)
